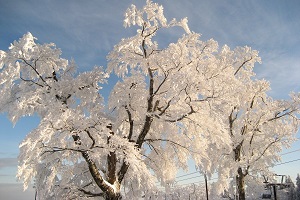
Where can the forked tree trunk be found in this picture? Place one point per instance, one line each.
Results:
(109, 192)
(240, 182)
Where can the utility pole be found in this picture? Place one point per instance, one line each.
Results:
(36, 193)
(275, 194)
(206, 188)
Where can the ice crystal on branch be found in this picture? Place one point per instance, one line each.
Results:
(189, 100)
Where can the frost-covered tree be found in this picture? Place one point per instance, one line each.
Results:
(298, 187)
(35, 80)
(258, 126)
(291, 190)
(160, 106)
(171, 104)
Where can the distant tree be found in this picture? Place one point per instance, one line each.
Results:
(189, 192)
(298, 187)
(188, 100)
(291, 189)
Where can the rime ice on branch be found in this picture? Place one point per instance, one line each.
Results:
(189, 100)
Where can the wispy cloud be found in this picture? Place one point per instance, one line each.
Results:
(8, 154)
(283, 72)
(7, 175)
(15, 192)
(270, 27)
(88, 31)
(8, 162)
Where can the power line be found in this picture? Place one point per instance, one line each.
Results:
(274, 165)
(287, 162)
(188, 178)
(194, 182)
(200, 175)
(188, 174)
(217, 178)
(290, 152)
(231, 177)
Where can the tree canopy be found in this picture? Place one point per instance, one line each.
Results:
(188, 100)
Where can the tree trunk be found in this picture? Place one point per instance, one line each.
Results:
(113, 196)
(240, 182)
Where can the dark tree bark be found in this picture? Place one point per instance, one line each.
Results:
(112, 196)
(240, 182)
(240, 178)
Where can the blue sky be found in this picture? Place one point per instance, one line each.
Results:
(87, 31)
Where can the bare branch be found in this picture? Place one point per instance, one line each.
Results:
(31, 81)
(264, 151)
(92, 138)
(183, 116)
(35, 70)
(242, 65)
(91, 194)
(282, 114)
(149, 118)
(130, 123)
(172, 142)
